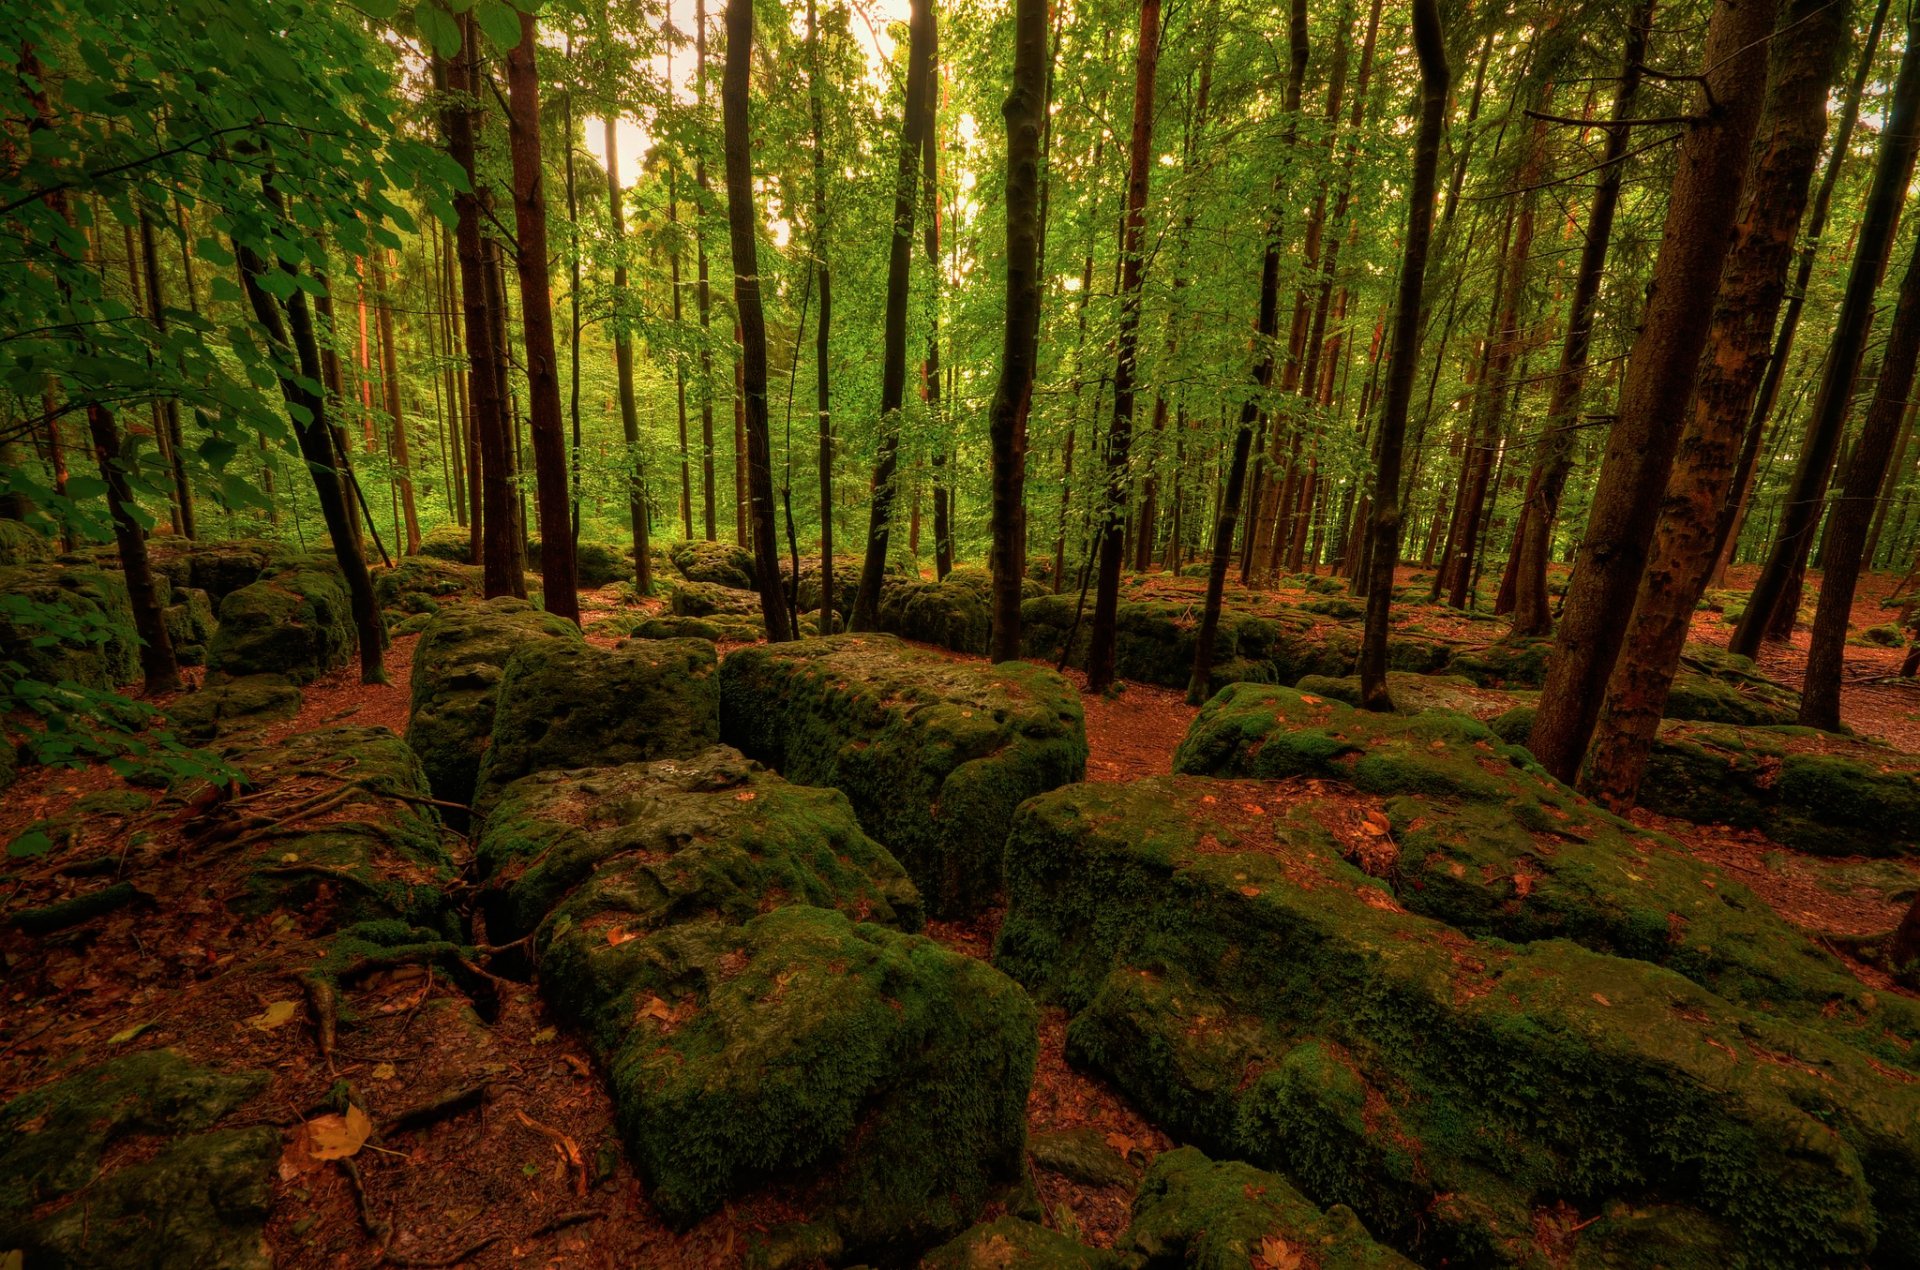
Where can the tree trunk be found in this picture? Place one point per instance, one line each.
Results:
(893, 366)
(170, 408)
(623, 362)
(822, 372)
(753, 326)
(1024, 112)
(679, 365)
(1660, 378)
(157, 664)
(1775, 595)
(703, 291)
(390, 376)
(930, 367)
(1112, 537)
(1752, 283)
(557, 580)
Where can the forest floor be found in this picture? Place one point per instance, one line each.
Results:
(495, 1143)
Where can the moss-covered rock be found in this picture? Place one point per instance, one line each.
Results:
(710, 599)
(718, 629)
(948, 614)
(246, 702)
(296, 621)
(21, 543)
(598, 565)
(934, 754)
(197, 1199)
(563, 704)
(1514, 662)
(72, 623)
(449, 542)
(420, 584)
(1193, 1213)
(1008, 1243)
(720, 563)
(1884, 636)
(457, 664)
(700, 921)
(1266, 999)
(190, 625)
(978, 578)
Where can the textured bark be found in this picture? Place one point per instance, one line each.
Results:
(1384, 553)
(558, 584)
(1659, 381)
(1752, 283)
(893, 364)
(158, 667)
(623, 365)
(703, 289)
(1776, 593)
(170, 408)
(679, 366)
(930, 366)
(822, 333)
(397, 451)
(1112, 539)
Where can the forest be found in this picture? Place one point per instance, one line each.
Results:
(1096, 634)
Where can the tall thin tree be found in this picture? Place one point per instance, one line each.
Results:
(623, 363)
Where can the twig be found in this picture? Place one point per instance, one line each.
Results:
(564, 1220)
(468, 1253)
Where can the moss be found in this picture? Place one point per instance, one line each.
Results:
(419, 584)
(708, 599)
(948, 614)
(565, 705)
(221, 568)
(719, 563)
(190, 625)
(719, 629)
(1515, 662)
(1083, 1155)
(83, 632)
(1202, 945)
(249, 701)
(934, 755)
(1200, 1214)
(1884, 636)
(449, 542)
(1008, 1243)
(20, 543)
(295, 622)
(457, 666)
(598, 565)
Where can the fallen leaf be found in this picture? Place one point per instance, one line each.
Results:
(276, 1014)
(545, 1036)
(1602, 1000)
(744, 796)
(1307, 700)
(1249, 891)
(1277, 1254)
(1254, 809)
(127, 1034)
(655, 1008)
(618, 936)
(383, 1071)
(1377, 824)
(337, 1137)
(1121, 1143)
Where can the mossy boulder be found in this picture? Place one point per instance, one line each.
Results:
(457, 665)
(421, 584)
(249, 701)
(598, 565)
(297, 622)
(449, 542)
(846, 582)
(719, 629)
(1514, 662)
(68, 623)
(21, 543)
(720, 563)
(978, 578)
(223, 567)
(725, 941)
(1009, 1243)
(190, 624)
(1266, 999)
(120, 1164)
(934, 754)
(948, 614)
(711, 599)
(563, 704)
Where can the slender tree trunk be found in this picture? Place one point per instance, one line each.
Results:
(1112, 536)
(557, 580)
(1024, 112)
(753, 327)
(679, 365)
(1660, 378)
(1430, 46)
(703, 291)
(1775, 594)
(930, 366)
(170, 408)
(623, 363)
(822, 366)
(390, 374)
(893, 366)
(1752, 283)
(160, 670)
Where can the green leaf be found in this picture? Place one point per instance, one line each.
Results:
(30, 845)
(437, 27)
(499, 21)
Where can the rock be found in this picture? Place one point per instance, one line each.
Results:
(1514, 662)
(1008, 1243)
(449, 542)
(979, 579)
(297, 622)
(934, 754)
(846, 582)
(1884, 636)
(221, 568)
(598, 565)
(1083, 1155)
(457, 665)
(249, 701)
(419, 584)
(1206, 1215)
(719, 563)
(66, 623)
(707, 599)
(1257, 994)
(692, 917)
(949, 614)
(565, 705)
(199, 1200)
(21, 543)
(190, 625)
(718, 629)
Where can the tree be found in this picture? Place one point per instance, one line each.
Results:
(557, 581)
(390, 395)
(1024, 113)
(1659, 379)
(823, 325)
(1111, 539)
(893, 353)
(623, 363)
(1430, 46)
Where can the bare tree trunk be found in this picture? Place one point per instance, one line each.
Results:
(822, 373)
(390, 375)
(703, 291)
(170, 408)
(623, 363)
(679, 366)
(1660, 377)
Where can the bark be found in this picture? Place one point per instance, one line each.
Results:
(170, 408)
(1660, 378)
(390, 382)
(558, 584)
(1740, 327)
(679, 366)
(1430, 47)
(1553, 459)
(1848, 522)
(893, 365)
(1112, 539)
(159, 669)
(1024, 111)
(930, 367)
(623, 363)
(703, 290)
(741, 219)
(1775, 597)
(822, 338)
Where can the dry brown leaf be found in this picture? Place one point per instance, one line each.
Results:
(655, 1008)
(1249, 891)
(1277, 1254)
(744, 796)
(275, 1015)
(338, 1137)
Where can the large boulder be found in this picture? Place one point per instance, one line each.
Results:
(190, 624)
(727, 942)
(1234, 965)
(68, 623)
(249, 701)
(711, 599)
(452, 543)
(720, 563)
(934, 754)
(221, 568)
(421, 584)
(949, 614)
(21, 543)
(564, 704)
(297, 621)
(457, 665)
